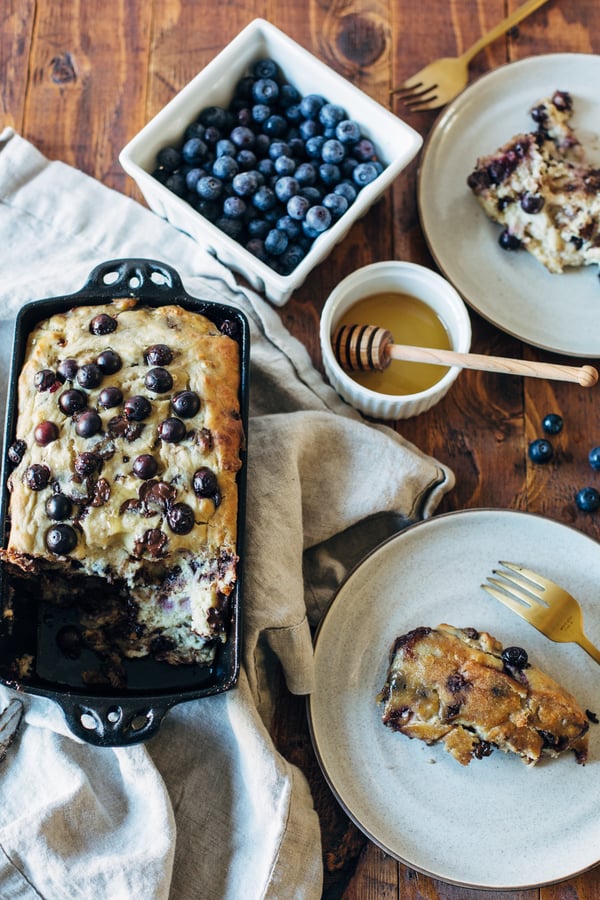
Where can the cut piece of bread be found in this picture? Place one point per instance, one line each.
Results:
(459, 686)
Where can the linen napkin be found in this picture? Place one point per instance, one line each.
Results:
(208, 808)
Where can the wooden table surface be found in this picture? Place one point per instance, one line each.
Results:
(80, 79)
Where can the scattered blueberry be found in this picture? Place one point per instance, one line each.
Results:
(515, 658)
(509, 241)
(594, 458)
(552, 423)
(587, 499)
(540, 451)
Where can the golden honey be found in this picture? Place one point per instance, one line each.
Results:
(411, 321)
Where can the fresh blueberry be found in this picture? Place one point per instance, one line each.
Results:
(306, 174)
(285, 165)
(246, 160)
(177, 184)
(330, 115)
(363, 150)
(318, 218)
(336, 204)
(169, 158)
(288, 95)
(552, 423)
(276, 242)
(348, 132)
(225, 168)
(265, 68)
(540, 451)
(265, 90)
(347, 190)
(333, 151)
(297, 207)
(264, 198)
(311, 105)
(234, 207)
(364, 173)
(286, 187)
(194, 150)
(209, 187)
(242, 137)
(275, 126)
(246, 184)
(330, 174)
(594, 458)
(587, 499)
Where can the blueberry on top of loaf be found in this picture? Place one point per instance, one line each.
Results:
(123, 494)
(459, 686)
(540, 188)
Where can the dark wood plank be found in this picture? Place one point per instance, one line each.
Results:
(16, 31)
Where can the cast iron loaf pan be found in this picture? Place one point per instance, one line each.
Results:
(132, 714)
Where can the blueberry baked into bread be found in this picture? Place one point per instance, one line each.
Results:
(539, 187)
(460, 687)
(123, 492)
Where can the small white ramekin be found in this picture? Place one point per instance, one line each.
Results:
(395, 141)
(398, 277)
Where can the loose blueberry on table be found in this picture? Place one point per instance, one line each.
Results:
(552, 423)
(540, 451)
(271, 154)
(587, 499)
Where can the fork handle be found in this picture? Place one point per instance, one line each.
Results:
(502, 27)
(589, 648)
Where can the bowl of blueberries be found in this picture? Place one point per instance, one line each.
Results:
(267, 158)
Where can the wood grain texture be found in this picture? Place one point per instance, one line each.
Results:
(79, 79)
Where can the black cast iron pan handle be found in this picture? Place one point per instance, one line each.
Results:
(118, 722)
(133, 277)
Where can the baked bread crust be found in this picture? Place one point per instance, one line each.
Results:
(452, 685)
(539, 187)
(161, 538)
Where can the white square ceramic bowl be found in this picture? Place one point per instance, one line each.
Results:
(395, 141)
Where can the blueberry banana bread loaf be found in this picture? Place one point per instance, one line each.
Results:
(123, 491)
(460, 687)
(540, 189)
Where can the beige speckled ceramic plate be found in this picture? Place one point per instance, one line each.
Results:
(496, 823)
(512, 290)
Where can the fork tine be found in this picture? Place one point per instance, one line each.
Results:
(534, 577)
(497, 594)
(430, 102)
(512, 589)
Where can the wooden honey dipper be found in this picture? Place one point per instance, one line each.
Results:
(368, 347)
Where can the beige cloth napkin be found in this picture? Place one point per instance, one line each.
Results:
(208, 808)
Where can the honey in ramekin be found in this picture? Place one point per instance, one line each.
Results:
(411, 321)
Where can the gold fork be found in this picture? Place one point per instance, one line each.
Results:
(542, 603)
(440, 81)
